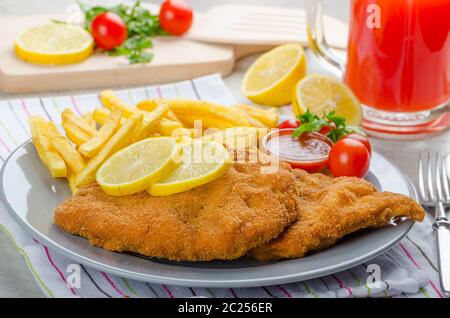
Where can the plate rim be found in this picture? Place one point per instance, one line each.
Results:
(238, 283)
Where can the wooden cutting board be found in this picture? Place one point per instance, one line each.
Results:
(175, 59)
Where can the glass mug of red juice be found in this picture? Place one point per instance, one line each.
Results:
(398, 62)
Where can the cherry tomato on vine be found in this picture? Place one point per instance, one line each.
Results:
(350, 158)
(175, 16)
(364, 140)
(108, 30)
(289, 123)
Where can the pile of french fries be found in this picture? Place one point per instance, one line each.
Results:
(92, 138)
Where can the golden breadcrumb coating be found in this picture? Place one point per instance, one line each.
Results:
(332, 208)
(223, 219)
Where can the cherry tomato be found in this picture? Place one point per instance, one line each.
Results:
(108, 30)
(326, 129)
(175, 16)
(290, 123)
(364, 140)
(350, 158)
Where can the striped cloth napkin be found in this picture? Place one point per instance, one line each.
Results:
(409, 269)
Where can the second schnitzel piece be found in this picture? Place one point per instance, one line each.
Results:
(332, 208)
(223, 219)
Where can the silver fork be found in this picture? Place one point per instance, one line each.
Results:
(434, 192)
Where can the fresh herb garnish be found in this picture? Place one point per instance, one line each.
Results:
(312, 123)
(141, 26)
(309, 122)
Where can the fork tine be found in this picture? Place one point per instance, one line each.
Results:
(439, 173)
(431, 188)
(422, 190)
(445, 180)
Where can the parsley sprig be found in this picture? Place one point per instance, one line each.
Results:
(142, 25)
(312, 123)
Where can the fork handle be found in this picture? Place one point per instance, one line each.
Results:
(443, 241)
(442, 228)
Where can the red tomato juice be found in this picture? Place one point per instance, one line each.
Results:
(404, 64)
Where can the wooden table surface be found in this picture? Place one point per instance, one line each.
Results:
(15, 277)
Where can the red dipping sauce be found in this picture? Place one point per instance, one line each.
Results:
(308, 152)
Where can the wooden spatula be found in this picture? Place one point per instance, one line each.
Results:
(244, 26)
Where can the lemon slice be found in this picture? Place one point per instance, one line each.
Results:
(54, 44)
(272, 77)
(136, 167)
(202, 162)
(322, 94)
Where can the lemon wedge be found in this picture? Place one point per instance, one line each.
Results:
(272, 77)
(136, 167)
(54, 44)
(202, 162)
(322, 94)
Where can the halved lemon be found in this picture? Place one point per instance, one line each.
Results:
(272, 77)
(136, 167)
(202, 162)
(54, 44)
(322, 94)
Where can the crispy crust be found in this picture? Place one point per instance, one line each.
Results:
(223, 219)
(332, 208)
(285, 214)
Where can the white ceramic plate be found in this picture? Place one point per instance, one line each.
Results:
(31, 195)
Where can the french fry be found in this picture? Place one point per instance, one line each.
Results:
(147, 105)
(151, 121)
(167, 126)
(52, 130)
(111, 125)
(267, 117)
(75, 134)
(170, 115)
(68, 152)
(38, 127)
(101, 114)
(89, 119)
(212, 115)
(207, 122)
(252, 120)
(152, 111)
(239, 138)
(122, 138)
(56, 165)
(151, 104)
(69, 116)
(71, 181)
(112, 102)
(184, 132)
(41, 133)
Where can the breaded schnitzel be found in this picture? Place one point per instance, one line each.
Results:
(332, 208)
(223, 219)
(242, 211)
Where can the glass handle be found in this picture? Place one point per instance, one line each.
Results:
(316, 38)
